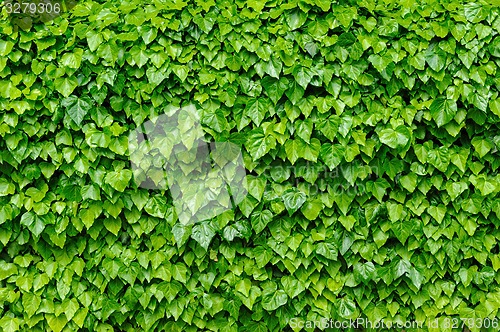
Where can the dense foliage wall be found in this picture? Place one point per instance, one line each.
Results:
(370, 135)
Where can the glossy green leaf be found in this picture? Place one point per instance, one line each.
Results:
(293, 200)
(395, 138)
(77, 108)
(443, 110)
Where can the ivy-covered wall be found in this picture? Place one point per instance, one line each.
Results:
(370, 135)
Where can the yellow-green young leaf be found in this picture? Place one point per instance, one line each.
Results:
(395, 138)
(409, 181)
(56, 323)
(119, 179)
(437, 212)
(459, 159)
(485, 185)
(347, 221)
(5, 47)
(243, 286)
(9, 90)
(294, 149)
(72, 59)
(6, 187)
(396, 211)
(311, 209)
(113, 225)
(9, 323)
(71, 306)
(66, 85)
(495, 106)
(79, 317)
(482, 146)
(181, 72)
(31, 303)
(469, 225)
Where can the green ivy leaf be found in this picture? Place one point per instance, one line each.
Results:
(295, 19)
(454, 189)
(347, 308)
(475, 12)
(66, 85)
(181, 234)
(312, 208)
(439, 158)
(72, 59)
(292, 286)
(416, 277)
(258, 144)
(293, 200)
(113, 225)
(280, 229)
(443, 110)
(77, 108)
(303, 75)
(260, 220)
(495, 106)
(273, 301)
(273, 67)
(275, 88)
(435, 57)
(329, 127)
(256, 109)
(364, 272)
(56, 323)
(347, 221)
(409, 182)
(294, 149)
(179, 272)
(9, 324)
(332, 154)
(31, 303)
(203, 233)
(6, 187)
(295, 92)
(481, 146)
(437, 212)
(395, 138)
(119, 180)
